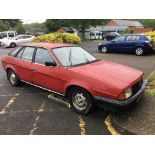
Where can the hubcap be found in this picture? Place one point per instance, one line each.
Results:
(79, 101)
(139, 51)
(12, 78)
(104, 49)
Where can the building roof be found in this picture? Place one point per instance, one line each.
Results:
(112, 28)
(69, 29)
(48, 45)
(128, 23)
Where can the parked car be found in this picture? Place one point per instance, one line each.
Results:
(133, 43)
(111, 35)
(6, 35)
(70, 71)
(18, 40)
(95, 35)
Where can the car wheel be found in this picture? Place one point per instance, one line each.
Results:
(80, 100)
(104, 49)
(13, 78)
(139, 51)
(13, 45)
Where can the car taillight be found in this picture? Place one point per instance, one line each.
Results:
(148, 42)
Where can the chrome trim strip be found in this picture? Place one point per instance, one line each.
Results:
(42, 88)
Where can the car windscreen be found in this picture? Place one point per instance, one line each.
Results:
(73, 56)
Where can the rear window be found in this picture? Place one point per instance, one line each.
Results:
(148, 38)
(14, 52)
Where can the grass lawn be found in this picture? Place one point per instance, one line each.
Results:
(151, 84)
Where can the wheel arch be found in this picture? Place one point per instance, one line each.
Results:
(68, 88)
(9, 68)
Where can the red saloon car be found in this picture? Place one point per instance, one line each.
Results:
(70, 71)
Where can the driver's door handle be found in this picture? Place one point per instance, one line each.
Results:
(33, 70)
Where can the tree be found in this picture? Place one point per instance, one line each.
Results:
(20, 29)
(9, 24)
(53, 25)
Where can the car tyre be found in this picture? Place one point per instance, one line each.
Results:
(13, 45)
(13, 78)
(139, 51)
(104, 49)
(81, 101)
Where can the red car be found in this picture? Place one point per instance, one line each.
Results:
(70, 71)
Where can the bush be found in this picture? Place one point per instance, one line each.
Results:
(151, 34)
(58, 38)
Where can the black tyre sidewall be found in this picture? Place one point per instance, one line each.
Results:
(17, 79)
(13, 45)
(88, 97)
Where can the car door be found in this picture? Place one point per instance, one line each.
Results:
(118, 44)
(43, 75)
(24, 63)
(132, 41)
(26, 39)
(19, 40)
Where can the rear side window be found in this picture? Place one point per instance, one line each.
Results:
(14, 52)
(132, 38)
(28, 53)
(42, 56)
(11, 34)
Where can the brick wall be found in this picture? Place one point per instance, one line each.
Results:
(112, 23)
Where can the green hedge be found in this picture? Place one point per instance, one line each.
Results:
(58, 38)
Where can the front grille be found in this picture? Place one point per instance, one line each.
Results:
(136, 87)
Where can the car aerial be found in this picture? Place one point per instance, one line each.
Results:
(71, 72)
(132, 43)
(17, 40)
(6, 35)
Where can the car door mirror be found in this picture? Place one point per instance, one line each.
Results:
(50, 64)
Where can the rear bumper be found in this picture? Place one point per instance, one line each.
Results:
(116, 104)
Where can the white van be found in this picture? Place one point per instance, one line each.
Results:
(6, 35)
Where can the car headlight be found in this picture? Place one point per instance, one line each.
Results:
(126, 94)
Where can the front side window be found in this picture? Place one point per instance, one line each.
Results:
(73, 56)
(20, 53)
(122, 38)
(42, 56)
(26, 37)
(14, 52)
(28, 53)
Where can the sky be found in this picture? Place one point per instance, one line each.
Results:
(28, 21)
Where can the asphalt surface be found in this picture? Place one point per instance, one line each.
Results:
(28, 110)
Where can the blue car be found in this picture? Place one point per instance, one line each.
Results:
(133, 43)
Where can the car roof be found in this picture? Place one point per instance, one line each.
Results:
(48, 45)
(134, 35)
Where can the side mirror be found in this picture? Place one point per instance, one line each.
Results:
(50, 64)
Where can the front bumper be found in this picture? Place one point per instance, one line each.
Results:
(111, 104)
